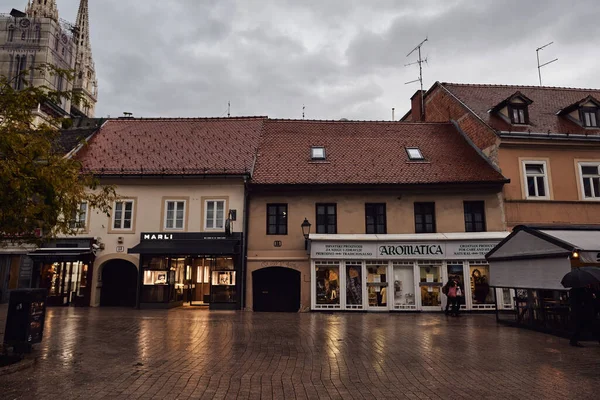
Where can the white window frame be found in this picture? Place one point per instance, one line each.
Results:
(73, 222)
(183, 221)
(205, 217)
(114, 214)
(580, 165)
(414, 154)
(545, 176)
(317, 153)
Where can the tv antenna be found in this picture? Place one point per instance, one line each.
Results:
(228, 109)
(537, 52)
(419, 61)
(303, 108)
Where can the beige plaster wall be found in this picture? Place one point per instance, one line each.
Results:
(149, 198)
(263, 253)
(566, 204)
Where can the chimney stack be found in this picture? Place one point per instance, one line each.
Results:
(417, 106)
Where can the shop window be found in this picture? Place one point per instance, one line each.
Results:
(277, 219)
(589, 117)
(377, 284)
(474, 216)
(326, 218)
(354, 288)
(424, 217)
(175, 214)
(536, 179)
(79, 217)
(456, 272)
(404, 285)
(590, 178)
(214, 215)
(430, 283)
(327, 284)
(123, 215)
(375, 218)
(480, 288)
(223, 281)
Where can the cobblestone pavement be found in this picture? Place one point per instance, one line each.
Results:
(197, 354)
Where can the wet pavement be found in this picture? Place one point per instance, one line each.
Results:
(192, 353)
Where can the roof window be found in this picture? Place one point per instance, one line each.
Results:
(519, 113)
(317, 152)
(414, 154)
(589, 117)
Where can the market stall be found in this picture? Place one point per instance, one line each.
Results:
(528, 266)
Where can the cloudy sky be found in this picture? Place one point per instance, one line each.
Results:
(339, 58)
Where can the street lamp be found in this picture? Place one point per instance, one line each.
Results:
(305, 232)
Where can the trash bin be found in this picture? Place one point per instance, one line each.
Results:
(25, 319)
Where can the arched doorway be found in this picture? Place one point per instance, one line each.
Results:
(119, 284)
(276, 289)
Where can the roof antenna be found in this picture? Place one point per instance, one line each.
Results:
(228, 109)
(537, 52)
(303, 108)
(419, 61)
(393, 113)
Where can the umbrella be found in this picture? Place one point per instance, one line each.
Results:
(581, 277)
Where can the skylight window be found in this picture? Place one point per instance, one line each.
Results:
(317, 153)
(414, 154)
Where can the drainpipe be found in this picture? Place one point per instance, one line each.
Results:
(245, 242)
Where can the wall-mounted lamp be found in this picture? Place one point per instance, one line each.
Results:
(575, 255)
(305, 232)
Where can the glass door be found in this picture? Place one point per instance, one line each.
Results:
(199, 287)
(456, 272)
(430, 283)
(377, 286)
(482, 296)
(404, 286)
(354, 285)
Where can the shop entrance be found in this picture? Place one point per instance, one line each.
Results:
(119, 284)
(276, 289)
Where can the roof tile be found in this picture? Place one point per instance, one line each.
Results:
(364, 152)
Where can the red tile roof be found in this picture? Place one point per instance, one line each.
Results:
(547, 101)
(180, 146)
(362, 152)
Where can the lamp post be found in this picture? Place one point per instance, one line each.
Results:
(305, 232)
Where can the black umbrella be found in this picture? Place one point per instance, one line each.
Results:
(581, 277)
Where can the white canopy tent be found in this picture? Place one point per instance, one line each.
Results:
(538, 257)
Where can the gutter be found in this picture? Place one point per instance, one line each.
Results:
(245, 243)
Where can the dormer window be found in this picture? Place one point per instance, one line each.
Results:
(414, 154)
(317, 153)
(518, 113)
(589, 117)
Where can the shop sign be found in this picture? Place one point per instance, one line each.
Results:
(343, 250)
(158, 236)
(406, 251)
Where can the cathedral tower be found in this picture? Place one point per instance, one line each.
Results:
(85, 85)
(42, 9)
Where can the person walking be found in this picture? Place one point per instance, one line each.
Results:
(453, 289)
(582, 312)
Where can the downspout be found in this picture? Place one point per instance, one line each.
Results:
(245, 242)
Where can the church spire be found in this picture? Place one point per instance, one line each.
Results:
(85, 73)
(42, 8)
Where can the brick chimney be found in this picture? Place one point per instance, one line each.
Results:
(417, 113)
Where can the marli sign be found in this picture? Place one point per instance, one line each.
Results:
(157, 236)
(406, 251)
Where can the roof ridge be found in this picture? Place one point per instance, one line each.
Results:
(497, 85)
(187, 118)
(355, 121)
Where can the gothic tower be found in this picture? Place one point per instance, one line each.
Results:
(85, 85)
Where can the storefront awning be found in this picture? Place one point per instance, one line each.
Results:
(57, 254)
(187, 247)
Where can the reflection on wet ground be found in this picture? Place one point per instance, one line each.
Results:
(183, 353)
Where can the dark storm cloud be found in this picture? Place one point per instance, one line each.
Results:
(340, 58)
